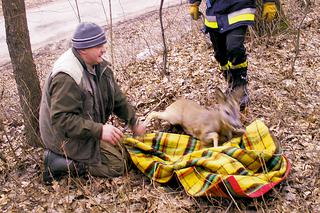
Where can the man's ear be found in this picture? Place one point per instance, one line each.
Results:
(82, 52)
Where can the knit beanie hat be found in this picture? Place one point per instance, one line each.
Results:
(88, 35)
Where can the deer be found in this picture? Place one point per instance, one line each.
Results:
(212, 127)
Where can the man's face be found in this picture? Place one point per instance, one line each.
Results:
(93, 56)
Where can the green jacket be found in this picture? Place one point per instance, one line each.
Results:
(75, 104)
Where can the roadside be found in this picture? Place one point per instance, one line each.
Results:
(51, 21)
(30, 4)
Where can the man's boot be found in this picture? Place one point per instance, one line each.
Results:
(240, 81)
(56, 166)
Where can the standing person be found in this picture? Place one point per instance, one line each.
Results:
(227, 23)
(79, 95)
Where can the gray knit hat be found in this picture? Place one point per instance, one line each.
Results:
(88, 35)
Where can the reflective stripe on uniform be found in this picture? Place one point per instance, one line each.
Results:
(246, 14)
(211, 24)
(211, 18)
(224, 67)
(238, 66)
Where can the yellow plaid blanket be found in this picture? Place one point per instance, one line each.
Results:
(246, 166)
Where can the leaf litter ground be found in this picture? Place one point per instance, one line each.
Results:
(288, 102)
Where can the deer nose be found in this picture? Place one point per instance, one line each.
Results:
(238, 126)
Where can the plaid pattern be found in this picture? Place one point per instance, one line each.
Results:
(246, 166)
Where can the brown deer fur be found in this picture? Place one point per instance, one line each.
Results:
(209, 126)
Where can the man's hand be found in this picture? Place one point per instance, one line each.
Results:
(194, 11)
(269, 11)
(138, 129)
(111, 134)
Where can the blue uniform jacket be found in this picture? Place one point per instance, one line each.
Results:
(224, 15)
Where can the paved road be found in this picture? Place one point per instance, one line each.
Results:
(57, 20)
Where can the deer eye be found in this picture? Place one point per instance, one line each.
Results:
(227, 112)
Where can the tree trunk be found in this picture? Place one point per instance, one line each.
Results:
(24, 69)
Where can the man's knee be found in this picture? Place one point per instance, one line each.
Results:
(118, 168)
(110, 167)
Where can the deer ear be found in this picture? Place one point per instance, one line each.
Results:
(220, 96)
(237, 94)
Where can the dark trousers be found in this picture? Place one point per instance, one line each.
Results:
(229, 46)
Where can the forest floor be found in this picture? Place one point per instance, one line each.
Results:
(284, 85)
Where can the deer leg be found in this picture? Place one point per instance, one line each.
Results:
(165, 115)
(151, 116)
(215, 137)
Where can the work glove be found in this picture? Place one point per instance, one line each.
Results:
(269, 11)
(194, 11)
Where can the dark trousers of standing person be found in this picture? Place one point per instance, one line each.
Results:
(230, 52)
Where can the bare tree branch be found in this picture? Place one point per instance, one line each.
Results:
(164, 69)
(111, 34)
(78, 11)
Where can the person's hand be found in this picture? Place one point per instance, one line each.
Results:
(269, 11)
(138, 129)
(111, 134)
(194, 11)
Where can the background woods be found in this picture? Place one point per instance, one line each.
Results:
(284, 88)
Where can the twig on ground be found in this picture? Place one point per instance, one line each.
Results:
(297, 44)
